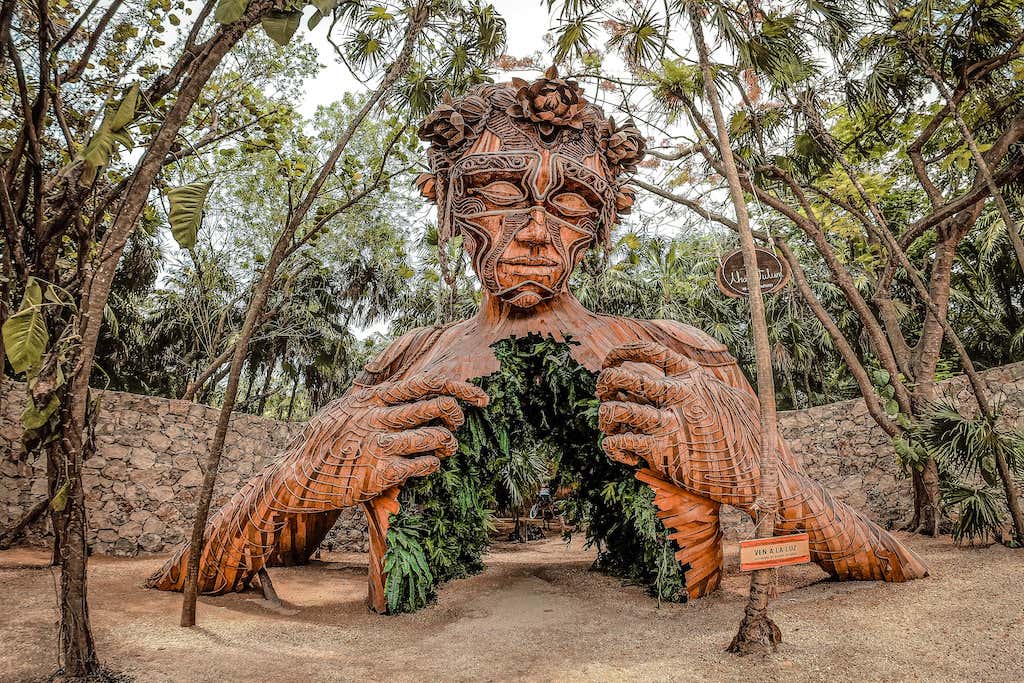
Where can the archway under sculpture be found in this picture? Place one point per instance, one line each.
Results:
(531, 175)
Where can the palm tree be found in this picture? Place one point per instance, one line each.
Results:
(977, 451)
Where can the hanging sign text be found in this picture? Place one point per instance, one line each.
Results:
(732, 276)
(765, 553)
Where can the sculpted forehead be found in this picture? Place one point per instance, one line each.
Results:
(533, 164)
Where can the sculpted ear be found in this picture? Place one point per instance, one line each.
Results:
(426, 183)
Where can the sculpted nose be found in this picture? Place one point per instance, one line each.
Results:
(535, 233)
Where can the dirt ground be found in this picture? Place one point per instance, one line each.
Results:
(535, 614)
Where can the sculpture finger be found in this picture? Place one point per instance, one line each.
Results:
(650, 352)
(629, 448)
(443, 408)
(615, 417)
(436, 440)
(398, 470)
(427, 385)
(636, 386)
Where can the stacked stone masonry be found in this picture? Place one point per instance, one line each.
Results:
(142, 483)
(143, 480)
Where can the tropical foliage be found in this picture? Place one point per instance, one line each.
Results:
(540, 395)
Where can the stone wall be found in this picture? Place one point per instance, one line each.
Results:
(841, 446)
(142, 483)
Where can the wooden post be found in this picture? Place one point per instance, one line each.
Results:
(378, 519)
(267, 586)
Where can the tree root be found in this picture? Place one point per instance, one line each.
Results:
(757, 634)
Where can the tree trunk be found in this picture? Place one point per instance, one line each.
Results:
(927, 496)
(418, 19)
(291, 398)
(1012, 497)
(756, 630)
(262, 405)
(77, 651)
(53, 474)
(216, 364)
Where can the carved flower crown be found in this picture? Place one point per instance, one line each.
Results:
(551, 112)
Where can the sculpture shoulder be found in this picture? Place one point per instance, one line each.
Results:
(689, 341)
(400, 355)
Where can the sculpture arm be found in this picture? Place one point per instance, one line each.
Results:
(688, 425)
(703, 435)
(357, 450)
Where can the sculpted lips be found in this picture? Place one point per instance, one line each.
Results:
(528, 261)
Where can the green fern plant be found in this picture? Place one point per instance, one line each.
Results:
(410, 583)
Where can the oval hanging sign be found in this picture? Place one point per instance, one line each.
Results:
(732, 276)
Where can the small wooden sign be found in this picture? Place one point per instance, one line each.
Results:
(732, 276)
(765, 553)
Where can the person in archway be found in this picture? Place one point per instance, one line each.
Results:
(531, 175)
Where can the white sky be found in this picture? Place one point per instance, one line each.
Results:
(526, 23)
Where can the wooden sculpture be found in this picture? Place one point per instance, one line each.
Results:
(530, 174)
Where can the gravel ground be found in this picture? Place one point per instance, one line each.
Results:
(535, 614)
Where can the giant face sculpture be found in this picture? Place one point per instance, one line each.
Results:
(529, 178)
(526, 218)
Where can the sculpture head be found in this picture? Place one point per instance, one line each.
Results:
(529, 175)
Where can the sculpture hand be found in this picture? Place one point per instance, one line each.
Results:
(371, 440)
(693, 429)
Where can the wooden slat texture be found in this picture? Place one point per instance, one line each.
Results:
(696, 530)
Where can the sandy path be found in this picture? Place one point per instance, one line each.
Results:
(536, 614)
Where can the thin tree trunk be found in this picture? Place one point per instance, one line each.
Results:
(757, 629)
(853, 362)
(1012, 497)
(261, 406)
(53, 476)
(216, 364)
(77, 651)
(417, 21)
(291, 398)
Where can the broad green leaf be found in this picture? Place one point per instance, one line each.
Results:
(34, 418)
(325, 6)
(987, 466)
(25, 335)
(100, 148)
(60, 499)
(97, 153)
(230, 10)
(126, 110)
(187, 203)
(281, 26)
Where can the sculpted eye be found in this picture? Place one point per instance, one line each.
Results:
(571, 204)
(500, 192)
